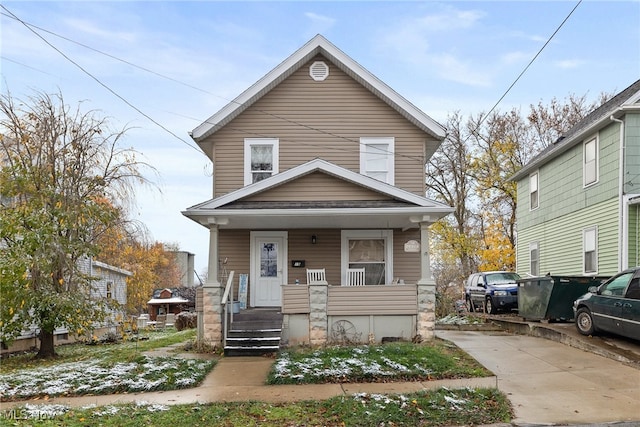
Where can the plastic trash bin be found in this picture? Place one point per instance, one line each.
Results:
(551, 297)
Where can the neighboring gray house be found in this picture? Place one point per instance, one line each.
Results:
(320, 165)
(186, 264)
(111, 282)
(579, 199)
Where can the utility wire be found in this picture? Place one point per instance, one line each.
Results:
(100, 82)
(528, 65)
(296, 123)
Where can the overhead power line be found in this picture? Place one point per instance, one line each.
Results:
(99, 81)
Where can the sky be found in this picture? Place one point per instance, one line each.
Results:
(162, 68)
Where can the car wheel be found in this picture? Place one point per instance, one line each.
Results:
(584, 322)
(470, 306)
(489, 308)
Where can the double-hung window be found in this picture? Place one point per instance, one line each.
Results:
(590, 245)
(377, 158)
(590, 165)
(534, 259)
(260, 159)
(533, 190)
(371, 250)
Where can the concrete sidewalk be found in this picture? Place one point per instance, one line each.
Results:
(243, 379)
(551, 383)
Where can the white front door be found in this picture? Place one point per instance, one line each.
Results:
(268, 267)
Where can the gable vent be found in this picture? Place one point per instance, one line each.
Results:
(319, 71)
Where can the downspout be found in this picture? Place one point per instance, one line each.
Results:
(623, 243)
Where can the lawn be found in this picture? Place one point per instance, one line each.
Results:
(102, 369)
(441, 407)
(401, 361)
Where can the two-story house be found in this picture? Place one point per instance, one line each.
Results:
(579, 199)
(320, 165)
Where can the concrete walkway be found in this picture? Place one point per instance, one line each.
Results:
(551, 383)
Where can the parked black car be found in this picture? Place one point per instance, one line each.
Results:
(613, 306)
(492, 290)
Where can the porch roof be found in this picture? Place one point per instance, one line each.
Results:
(397, 208)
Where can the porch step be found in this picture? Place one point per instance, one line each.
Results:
(254, 332)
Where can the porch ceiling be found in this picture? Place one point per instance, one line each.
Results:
(278, 219)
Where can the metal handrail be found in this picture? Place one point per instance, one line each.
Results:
(228, 293)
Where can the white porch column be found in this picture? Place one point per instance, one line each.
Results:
(210, 320)
(426, 321)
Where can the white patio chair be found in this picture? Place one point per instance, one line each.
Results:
(316, 275)
(355, 277)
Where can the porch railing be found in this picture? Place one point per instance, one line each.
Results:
(227, 299)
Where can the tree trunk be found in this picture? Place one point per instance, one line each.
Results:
(47, 350)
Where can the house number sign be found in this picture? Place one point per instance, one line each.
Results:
(412, 246)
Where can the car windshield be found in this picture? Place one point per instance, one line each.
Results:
(499, 278)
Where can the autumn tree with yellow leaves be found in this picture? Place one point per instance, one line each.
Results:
(65, 180)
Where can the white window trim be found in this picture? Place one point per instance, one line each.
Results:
(347, 235)
(248, 142)
(596, 140)
(537, 175)
(369, 140)
(584, 249)
(534, 246)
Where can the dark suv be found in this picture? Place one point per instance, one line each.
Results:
(492, 290)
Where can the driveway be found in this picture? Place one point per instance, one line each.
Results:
(551, 383)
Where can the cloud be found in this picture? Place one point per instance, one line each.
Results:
(319, 23)
(568, 64)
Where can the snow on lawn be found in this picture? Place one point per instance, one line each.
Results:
(93, 377)
(364, 362)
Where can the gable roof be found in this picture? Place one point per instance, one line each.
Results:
(628, 99)
(404, 204)
(318, 45)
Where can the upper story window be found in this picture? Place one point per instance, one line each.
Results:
(377, 158)
(260, 159)
(590, 245)
(533, 190)
(590, 165)
(109, 290)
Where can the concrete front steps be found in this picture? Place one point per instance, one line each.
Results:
(254, 332)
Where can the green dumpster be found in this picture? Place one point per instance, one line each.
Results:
(551, 297)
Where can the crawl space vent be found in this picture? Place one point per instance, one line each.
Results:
(319, 71)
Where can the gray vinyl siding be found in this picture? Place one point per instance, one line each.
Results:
(634, 235)
(320, 120)
(632, 154)
(561, 243)
(561, 189)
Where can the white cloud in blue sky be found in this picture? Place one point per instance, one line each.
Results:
(441, 56)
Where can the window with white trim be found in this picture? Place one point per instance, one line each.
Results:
(533, 190)
(260, 159)
(377, 158)
(371, 250)
(590, 249)
(534, 259)
(590, 165)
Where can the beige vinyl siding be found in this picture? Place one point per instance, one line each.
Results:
(234, 246)
(320, 119)
(561, 244)
(317, 186)
(406, 265)
(378, 300)
(324, 254)
(295, 299)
